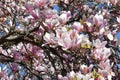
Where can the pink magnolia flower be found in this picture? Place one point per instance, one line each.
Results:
(85, 69)
(106, 69)
(40, 3)
(83, 77)
(48, 13)
(3, 73)
(67, 38)
(34, 15)
(98, 19)
(65, 42)
(79, 76)
(102, 30)
(98, 44)
(49, 38)
(101, 53)
(90, 26)
(64, 17)
(63, 38)
(76, 38)
(51, 23)
(105, 65)
(78, 26)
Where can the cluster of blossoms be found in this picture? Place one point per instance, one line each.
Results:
(104, 71)
(59, 39)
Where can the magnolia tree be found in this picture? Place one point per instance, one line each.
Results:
(59, 39)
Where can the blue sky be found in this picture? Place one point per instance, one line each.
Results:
(118, 35)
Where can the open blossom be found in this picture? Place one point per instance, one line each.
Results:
(3, 73)
(59, 39)
(50, 14)
(85, 69)
(66, 42)
(35, 14)
(68, 38)
(78, 26)
(89, 24)
(106, 69)
(101, 53)
(79, 76)
(51, 23)
(105, 65)
(98, 44)
(49, 38)
(98, 19)
(64, 17)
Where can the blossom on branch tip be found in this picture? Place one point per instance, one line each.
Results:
(98, 19)
(64, 17)
(78, 26)
(98, 44)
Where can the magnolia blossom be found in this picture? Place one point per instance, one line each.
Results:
(35, 14)
(102, 30)
(79, 76)
(85, 69)
(106, 71)
(98, 19)
(64, 17)
(68, 38)
(78, 26)
(89, 24)
(51, 23)
(105, 65)
(48, 13)
(3, 73)
(98, 44)
(101, 53)
(49, 38)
